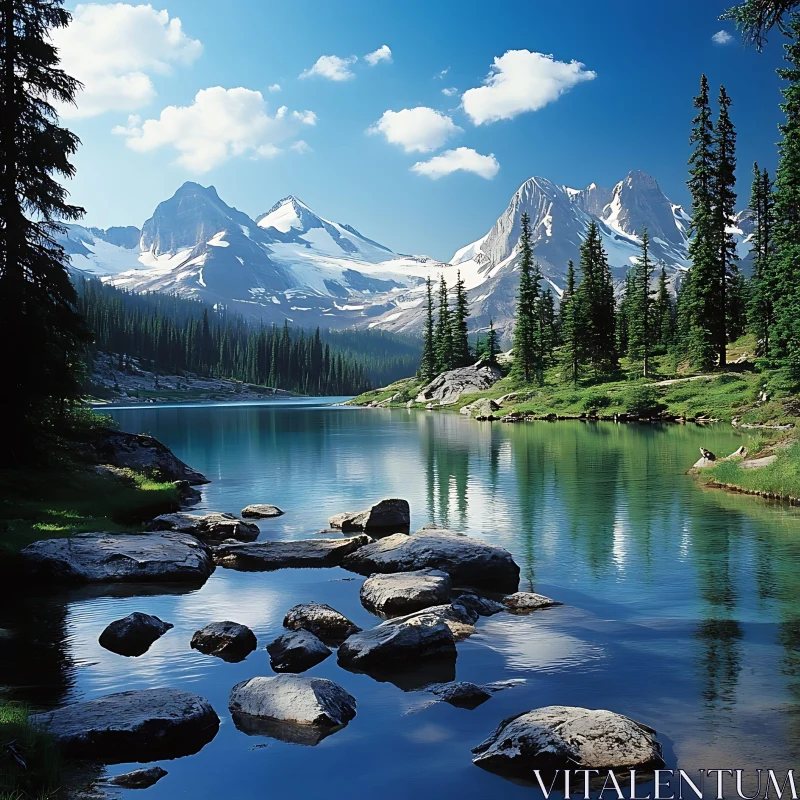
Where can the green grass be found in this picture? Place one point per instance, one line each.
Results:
(40, 776)
(57, 502)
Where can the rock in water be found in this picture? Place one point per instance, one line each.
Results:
(482, 606)
(215, 527)
(133, 635)
(485, 408)
(144, 725)
(460, 620)
(449, 386)
(296, 652)
(321, 620)
(404, 592)
(120, 557)
(469, 562)
(261, 556)
(386, 515)
(523, 602)
(563, 737)
(461, 694)
(261, 511)
(229, 640)
(139, 778)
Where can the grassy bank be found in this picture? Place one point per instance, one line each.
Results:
(30, 766)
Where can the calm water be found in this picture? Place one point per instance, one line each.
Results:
(681, 608)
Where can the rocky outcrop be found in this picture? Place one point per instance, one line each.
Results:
(461, 693)
(133, 635)
(525, 602)
(139, 778)
(214, 527)
(227, 640)
(320, 619)
(261, 511)
(460, 620)
(758, 463)
(469, 562)
(144, 725)
(404, 592)
(563, 737)
(296, 651)
(119, 557)
(450, 385)
(483, 409)
(262, 556)
(386, 515)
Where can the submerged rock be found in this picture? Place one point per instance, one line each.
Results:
(228, 640)
(482, 606)
(139, 778)
(404, 592)
(564, 737)
(450, 385)
(133, 635)
(321, 620)
(120, 557)
(258, 556)
(261, 511)
(214, 527)
(392, 514)
(523, 602)
(144, 725)
(461, 693)
(469, 562)
(296, 651)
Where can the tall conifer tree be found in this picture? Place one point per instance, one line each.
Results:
(427, 368)
(762, 300)
(571, 335)
(458, 325)
(524, 366)
(443, 333)
(640, 310)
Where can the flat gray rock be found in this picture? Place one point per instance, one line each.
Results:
(214, 527)
(321, 620)
(390, 514)
(144, 725)
(524, 602)
(461, 693)
(469, 562)
(459, 619)
(139, 778)
(564, 737)
(296, 651)
(133, 635)
(227, 640)
(261, 511)
(120, 557)
(258, 556)
(482, 606)
(404, 592)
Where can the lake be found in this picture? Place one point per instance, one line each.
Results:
(681, 605)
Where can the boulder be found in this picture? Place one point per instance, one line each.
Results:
(450, 385)
(139, 778)
(120, 557)
(133, 635)
(261, 511)
(261, 556)
(758, 463)
(460, 620)
(469, 562)
(563, 737)
(524, 602)
(482, 606)
(214, 527)
(296, 651)
(228, 640)
(391, 514)
(320, 619)
(404, 592)
(143, 725)
(484, 408)
(461, 693)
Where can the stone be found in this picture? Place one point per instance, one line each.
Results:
(268, 555)
(228, 640)
(139, 778)
(404, 592)
(469, 562)
(564, 737)
(460, 620)
(142, 725)
(706, 459)
(133, 635)
(482, 606)
(320, 619)
(758, 463)
(524, 602)
(450, 385)
(482, 409)
(461, 693)
(296, 651)
(214, 527)
(120, 557)
(390, 514)
(261, 511)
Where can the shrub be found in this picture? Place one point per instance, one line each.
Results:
(643, 401)
(596, 400)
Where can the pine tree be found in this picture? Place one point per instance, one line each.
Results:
(491, 348)
(525, 365)
(640, 309)
(663, 311)
(545, 332)
(762, 300)
(571, 333)
(427, 368)
(43, 335)
(443, 334)
(458, 326)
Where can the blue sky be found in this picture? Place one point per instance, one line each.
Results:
(634, 113)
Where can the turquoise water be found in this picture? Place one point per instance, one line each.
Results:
(681, 608)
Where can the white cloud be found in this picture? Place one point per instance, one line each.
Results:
(220, 124)
(721, 37)
(449, 92)
(331, 67)
(520, 81)
(383, 53)
(275, 87)
(464, 159)
(417, 130)
(442, 73)
(112, 49)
